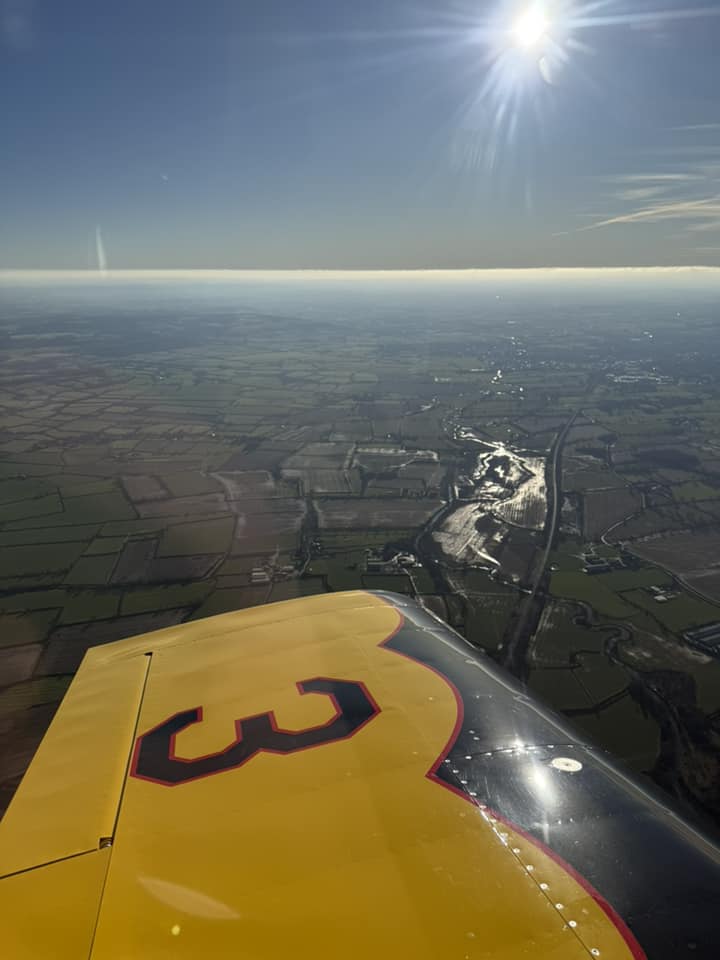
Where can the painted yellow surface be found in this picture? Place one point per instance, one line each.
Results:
(50, 913)
(346, 849)
(69, 798)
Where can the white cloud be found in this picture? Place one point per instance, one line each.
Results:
(683, 210)
(704, 227)
(684, 192)
(641, 193)
(655, 178)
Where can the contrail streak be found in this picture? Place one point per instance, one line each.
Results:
(100, 251)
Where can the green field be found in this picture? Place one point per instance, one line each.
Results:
(22, 510)
(487, 616)
(46, 558)
(190, 484)
(105, 545)
(84, 605)
(695, 491)
(91, 570)
(625, 731)
(678, 614)
(164, 598)
(93, 508)
(51, 535)
(27, 627)
(201, 536)
(591, 590)
(32, 694)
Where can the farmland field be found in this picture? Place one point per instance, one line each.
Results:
(604, 508)
(346, 514)
(683, 552)
(172, 451)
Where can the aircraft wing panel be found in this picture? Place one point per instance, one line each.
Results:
(71, 792)
(50, 912)
(344, 775)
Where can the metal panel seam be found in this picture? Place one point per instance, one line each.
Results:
(120, 802)
(47, 863)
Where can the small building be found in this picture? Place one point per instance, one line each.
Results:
(592, 561)
(405, 560)
(706, 639)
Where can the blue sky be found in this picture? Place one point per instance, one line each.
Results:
(336, 134)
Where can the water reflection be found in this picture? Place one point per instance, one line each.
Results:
(502, 487)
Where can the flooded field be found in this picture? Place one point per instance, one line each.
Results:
(470, 535)
(527, 507)
(502, 488)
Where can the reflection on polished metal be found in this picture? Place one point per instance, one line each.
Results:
(566, 764)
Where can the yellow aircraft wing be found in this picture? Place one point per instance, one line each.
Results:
(338, 776)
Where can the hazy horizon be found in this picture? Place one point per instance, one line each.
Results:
(178, 273)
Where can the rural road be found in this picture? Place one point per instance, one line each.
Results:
(516, 649)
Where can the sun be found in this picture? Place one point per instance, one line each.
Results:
(530, 28)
